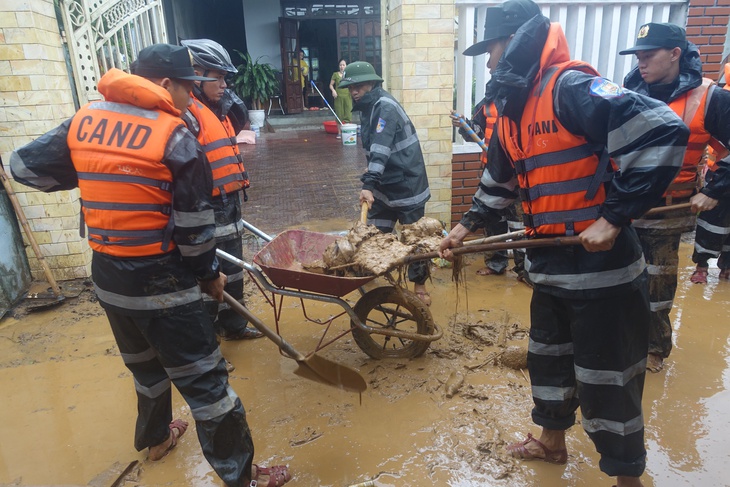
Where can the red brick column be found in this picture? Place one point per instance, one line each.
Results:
(707, 22)
(466, 171)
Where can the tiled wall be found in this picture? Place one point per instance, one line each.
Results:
(707, 26)
(35, 96)
(419, 55)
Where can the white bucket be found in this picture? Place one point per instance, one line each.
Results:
(349, 134)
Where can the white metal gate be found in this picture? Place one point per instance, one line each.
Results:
(105, 34)
(596, 31)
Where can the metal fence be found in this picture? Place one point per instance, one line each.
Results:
(105, 34)
(596, 32)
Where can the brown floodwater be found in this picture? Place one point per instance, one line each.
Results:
(68, 405)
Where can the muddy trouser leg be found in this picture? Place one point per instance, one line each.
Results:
(229, 322)
(496, 260)
(592, 353)
(713, 229)
(385, 218)
(185, 345)
(661, 252)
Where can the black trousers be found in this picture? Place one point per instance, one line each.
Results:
(385, 218)
(225, 320)
(182, 350)
(592, 354)
(712, 238)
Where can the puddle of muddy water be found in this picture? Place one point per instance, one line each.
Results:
(68, 408)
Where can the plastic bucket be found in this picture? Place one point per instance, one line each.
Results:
(349, 134)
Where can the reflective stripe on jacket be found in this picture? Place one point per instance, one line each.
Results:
(691, 107)
(218, 140)
(126, 205)
(561, 175)
(490, 115)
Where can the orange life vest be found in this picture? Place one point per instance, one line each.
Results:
(691, 108)
(490, 115)
(218, 140)
(560, 174)
(716, 150)
(126, 191)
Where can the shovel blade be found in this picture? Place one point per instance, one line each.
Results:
(328, 372)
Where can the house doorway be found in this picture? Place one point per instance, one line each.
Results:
(326, 33)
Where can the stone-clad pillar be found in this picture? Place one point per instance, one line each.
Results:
(418, 60)
(35, 96)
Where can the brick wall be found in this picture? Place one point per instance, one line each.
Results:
(35, 96)
(418, 52)
(707, 25)
(465, 180)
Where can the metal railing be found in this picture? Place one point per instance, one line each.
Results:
(596, 31)
(105, 34)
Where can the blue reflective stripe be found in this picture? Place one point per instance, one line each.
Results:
(125, 178)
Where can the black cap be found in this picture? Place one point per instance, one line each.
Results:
(166, 61)
(503, 21)
(654, 36)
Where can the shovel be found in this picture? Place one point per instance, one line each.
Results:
(470, 249)
(313, 367)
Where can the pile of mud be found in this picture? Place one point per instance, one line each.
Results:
(367, 251)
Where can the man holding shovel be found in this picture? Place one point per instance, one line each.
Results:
(208, 119)
(146, 199)
(395, 186)
(565, 133)
(669, 69)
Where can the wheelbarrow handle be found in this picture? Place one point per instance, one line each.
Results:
(519, 244)
(260, 326)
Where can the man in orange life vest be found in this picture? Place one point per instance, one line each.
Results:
(564, 134)
(496, 36)
(146, 199)
(712, 237)
(669, 69)
(215, 116)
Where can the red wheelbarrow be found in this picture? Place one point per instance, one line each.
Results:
(386, 322)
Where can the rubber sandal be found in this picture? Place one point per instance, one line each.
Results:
(278, 474)
(425, 297)
(181, 427)
(486, 271)
(699, 276)
(518, 450)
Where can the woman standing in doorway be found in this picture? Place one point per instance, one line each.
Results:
(343, 102)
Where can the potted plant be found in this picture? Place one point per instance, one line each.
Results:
(257, 82)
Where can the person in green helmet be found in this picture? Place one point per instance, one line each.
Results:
(395, 186)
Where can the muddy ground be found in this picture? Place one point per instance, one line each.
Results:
(68, 407)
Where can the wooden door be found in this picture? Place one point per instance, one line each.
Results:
(289, 41)
(359, 40)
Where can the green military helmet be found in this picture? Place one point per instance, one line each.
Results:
(358, 72)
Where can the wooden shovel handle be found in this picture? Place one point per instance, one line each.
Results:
(364, 212)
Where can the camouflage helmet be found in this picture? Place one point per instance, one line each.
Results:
(359, 72)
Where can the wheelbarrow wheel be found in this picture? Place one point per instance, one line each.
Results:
(392, 308)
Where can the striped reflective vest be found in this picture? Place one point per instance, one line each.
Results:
(560, 174)
(126, 190)
(691, 108)
(218, 140)
(716, 150)
(490, 115)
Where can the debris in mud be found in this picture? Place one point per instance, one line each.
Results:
(367, 251)
(454, 383)
(514, 357)
(308, 435)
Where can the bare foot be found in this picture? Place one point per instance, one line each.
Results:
(654, 363)
(422, 294)
(622, 481)
(486, 271)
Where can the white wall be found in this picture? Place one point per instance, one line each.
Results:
(262, 30)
